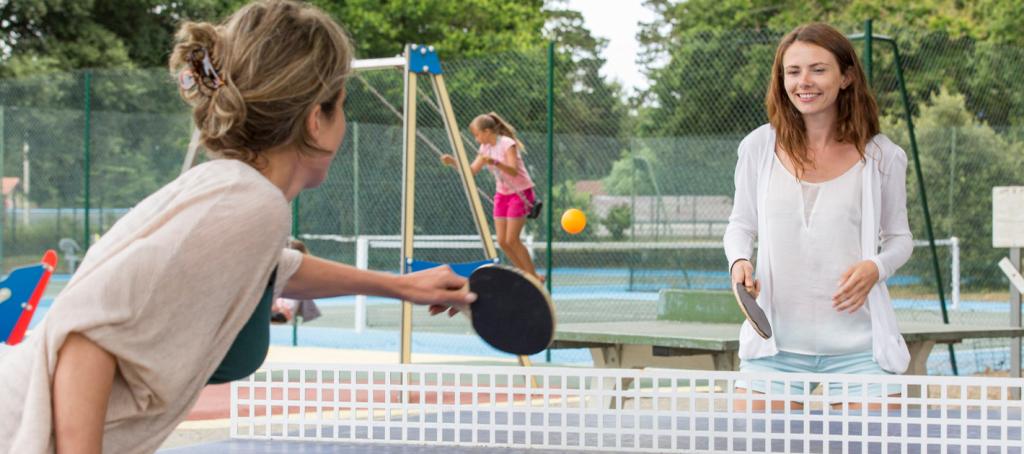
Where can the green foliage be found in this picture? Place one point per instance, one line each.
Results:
(714, 83)
(73, 34)
(618, 220)
(962, 158)
(472, 28)
(491, 50)
(708, 60)
(629, 176)
(38, 236)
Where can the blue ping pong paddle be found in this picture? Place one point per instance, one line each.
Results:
(748, 304)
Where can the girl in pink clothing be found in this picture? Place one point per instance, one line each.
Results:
(514, 196)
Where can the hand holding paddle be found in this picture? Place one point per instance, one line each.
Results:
(743, 272)
(745, 288)
(438, 287)
(513, 312)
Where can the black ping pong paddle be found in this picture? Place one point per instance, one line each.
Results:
(748, 304)
(512, 312)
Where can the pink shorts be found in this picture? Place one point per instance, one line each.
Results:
(511, 205)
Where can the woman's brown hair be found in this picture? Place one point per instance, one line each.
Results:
(253, 79)
(856, 110)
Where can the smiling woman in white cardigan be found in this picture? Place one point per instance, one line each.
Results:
(823, 193)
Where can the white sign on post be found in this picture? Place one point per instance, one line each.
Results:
(1008, 217)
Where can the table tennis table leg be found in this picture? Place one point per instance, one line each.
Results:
(919, 352)
(525, 362)
(725, 361)
(607, 357)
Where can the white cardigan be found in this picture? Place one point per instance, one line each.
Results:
(885, 237)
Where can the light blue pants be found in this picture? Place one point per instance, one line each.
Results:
(787, 362)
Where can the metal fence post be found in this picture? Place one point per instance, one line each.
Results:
(295, 234)
(86, 142)
(915, 154)
(551, 155)
(551, 163)
(1015, 318)
(868, 66)
(355, 179)
(3, 208)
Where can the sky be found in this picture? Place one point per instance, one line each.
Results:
(619, 24)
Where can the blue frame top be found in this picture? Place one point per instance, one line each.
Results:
(424, 60)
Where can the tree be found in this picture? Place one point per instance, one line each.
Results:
(73, 34)
(708, 59)
(618, 220)
(962, 158)
(471, 28)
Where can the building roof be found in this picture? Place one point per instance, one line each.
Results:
(592, 187)
(9, 183)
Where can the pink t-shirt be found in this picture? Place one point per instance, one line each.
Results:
(506, 183)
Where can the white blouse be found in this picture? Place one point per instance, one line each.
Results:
(818, 225)
(884, 236)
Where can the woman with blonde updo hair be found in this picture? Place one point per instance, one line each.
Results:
(177, 294)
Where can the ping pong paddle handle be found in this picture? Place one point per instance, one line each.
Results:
(754, 290)
(437, 309)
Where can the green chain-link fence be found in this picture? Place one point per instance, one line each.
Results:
(654, 174)
(117, 133)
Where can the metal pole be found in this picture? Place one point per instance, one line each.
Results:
(408, 198)
(26, 187)
(551, 165)
(363, 263)
(362, 246)
(632, 188)
(3, 197)
(868, 67)
(295, 217)
(924, 197)
(87, 139)
(551, 157)
(908, 116)
(355, 179)
(632, 207)
(1015, 317)
(295, 234)
(952, 182)
(295, 324)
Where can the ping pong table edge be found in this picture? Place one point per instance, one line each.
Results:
(701, 331)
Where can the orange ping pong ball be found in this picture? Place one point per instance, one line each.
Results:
(573, 221)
